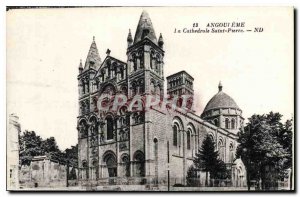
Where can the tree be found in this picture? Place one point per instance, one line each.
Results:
(50, 148)
(33, 145)
(71, 155)
(191, 176)
(30, 146)
(207, 159)
(264, 142)
(71, 159)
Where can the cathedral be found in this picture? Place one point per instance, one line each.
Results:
(147, 147)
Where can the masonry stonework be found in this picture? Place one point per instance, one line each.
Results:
(130, 147)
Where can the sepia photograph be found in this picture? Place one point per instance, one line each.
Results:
(172, 99)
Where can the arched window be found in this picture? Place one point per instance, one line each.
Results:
(109, 71)
(141, 56)
(126, 161)
(179, 138)
(221, 149)
(83, 129)
(122, 72)
(216, 122)
(111, 164)
(157, 89)
(110, 128)
(85, 170)
(139, 164)
(95, 172)
(175, 130)
(152, 59)
(232, 123)
(227, 123)
(134, 88)
(152, 87)
(141, 87)
(188, 138)
(134, 62)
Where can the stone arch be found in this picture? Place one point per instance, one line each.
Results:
(83, 127)
(216, 122)
(123, 90)
(238, 173)
(211, 135)
(123, 110)
(133, 87)
(178, 120)
(158, 88)
(177, 123)
(141, 85)
(152, 86)
(110, 160)
(115, 68)
(139, 163)
(191, 140)
(109, 89)
(221, 147)
(141, 58)
(134, 60)
(93, 120)
(152, 58)
(125, 162)
(121, 71)
(84, 169)
(95, 169)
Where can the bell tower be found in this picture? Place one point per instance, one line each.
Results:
(145, 60)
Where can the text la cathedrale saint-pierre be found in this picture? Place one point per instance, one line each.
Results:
(222, 27)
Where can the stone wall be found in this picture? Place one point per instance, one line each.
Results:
(43, 173)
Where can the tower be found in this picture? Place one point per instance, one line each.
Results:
(85, 124)
(145, 59)
(180, 84)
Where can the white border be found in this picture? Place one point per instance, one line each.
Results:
(4, 3)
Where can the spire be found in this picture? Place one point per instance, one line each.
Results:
(80, 66)
(93, 59)
(220, 86)
(129, 39)
(145, 29)
(160, 41)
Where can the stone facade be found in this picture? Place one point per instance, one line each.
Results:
(13, 134)
(129, 147)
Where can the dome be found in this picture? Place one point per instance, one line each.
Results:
(220, 100)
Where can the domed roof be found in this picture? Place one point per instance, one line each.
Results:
(220, 100)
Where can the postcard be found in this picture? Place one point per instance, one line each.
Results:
(150, 99)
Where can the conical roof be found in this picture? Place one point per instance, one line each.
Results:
(93, 59)
(145, 29)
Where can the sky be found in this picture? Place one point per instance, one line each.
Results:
(44, 48)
